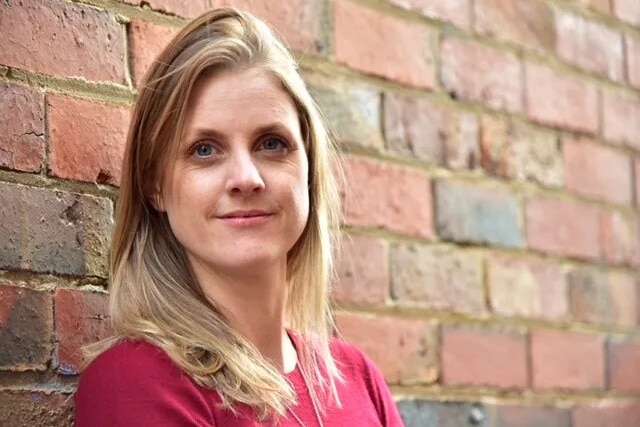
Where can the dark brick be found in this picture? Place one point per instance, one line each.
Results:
(36, 408)
(528, 416)
(423, 413)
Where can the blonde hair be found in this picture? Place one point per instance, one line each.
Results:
(154, 295)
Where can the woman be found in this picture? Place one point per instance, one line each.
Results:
(221, 255)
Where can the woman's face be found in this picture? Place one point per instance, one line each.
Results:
(236, 195)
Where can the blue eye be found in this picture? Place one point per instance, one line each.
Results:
(274, 144)
(204, 150)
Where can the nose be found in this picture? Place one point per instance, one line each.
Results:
(244, 177)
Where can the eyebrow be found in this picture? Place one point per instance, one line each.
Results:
(206, 132)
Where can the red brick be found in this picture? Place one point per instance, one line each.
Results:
(559, 100)
(567, 360)
(21, 128)
(483, 358)
(606, 414)
(146, 42)
(519, 152)
(429, 132)
(369, 200)
(363, 271)
(298, 22)
(414, 344)
(589, 45)
(26, 327)
(496, 79)
(627, 11)
(621, 118)
(457, 12)
(624, 359)
(620, 238)
(437, 277)
(87, 139)
(527, 23)
(519, 286)
(62, 39)
(636, 171)
(597, 171)
(372, 42)
(81, 319)
(528, 416)
(632, 45)
(562, 227)
(601, 6)
(21, 408)
(187, 9)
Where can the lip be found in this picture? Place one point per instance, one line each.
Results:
(246, 218)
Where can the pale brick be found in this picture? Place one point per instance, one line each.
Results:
(589, 45)
(413, 340)
(567, 360)
(562, 227)
(557, 99)
(516, 151)
(477, 357)
(621, 118)
(430, 132)
(472, 213)
(437, 277)
(87, 139)
(620, 238)
(496, 80)
(369, 200)
(526, 287)
(627, 11)
(632, 46)
(375, 43)
(62, 39)
(527, 23)
(457, 12)
(636, 171)
(601, 6)
(146, 42)
(22, 128)
(363, 271)
(597, 171)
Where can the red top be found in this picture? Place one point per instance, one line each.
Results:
(136, 383)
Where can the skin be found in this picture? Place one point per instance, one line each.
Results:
(241, 150)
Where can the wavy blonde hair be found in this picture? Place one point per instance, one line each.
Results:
(154, 295)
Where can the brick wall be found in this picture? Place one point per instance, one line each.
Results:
(491, 207)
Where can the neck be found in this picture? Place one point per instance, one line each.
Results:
(253, 304)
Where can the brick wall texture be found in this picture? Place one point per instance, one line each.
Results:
(491, 196)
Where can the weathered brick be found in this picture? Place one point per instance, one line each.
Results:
(97, 218)
(598, 297)
(496, 79)
(477, 357)
(557, 99)
(624, 359)
(87, 139)
(421, 413)
(363, 271)
(525, 287)
(352, 109)
(597, 171)
(414, 344)
(606, 414)
(369, 200)
(472, 213)
(632, 47)
(437, 277)
(81, 318)
(457, 12)
(589, 45)
(516, 151)
(621, 118)
(528, 416)
(627, 11)
(620, 238)
(562, 227)
(187, 9)
(430, 132)
(36, 408)
(22, 128)
(527, 23)
(378, 44)
(62, 39)
(567, 360)
(26, 328)
(146, 42)
(298, 22)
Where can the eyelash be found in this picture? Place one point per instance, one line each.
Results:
(285, 145)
